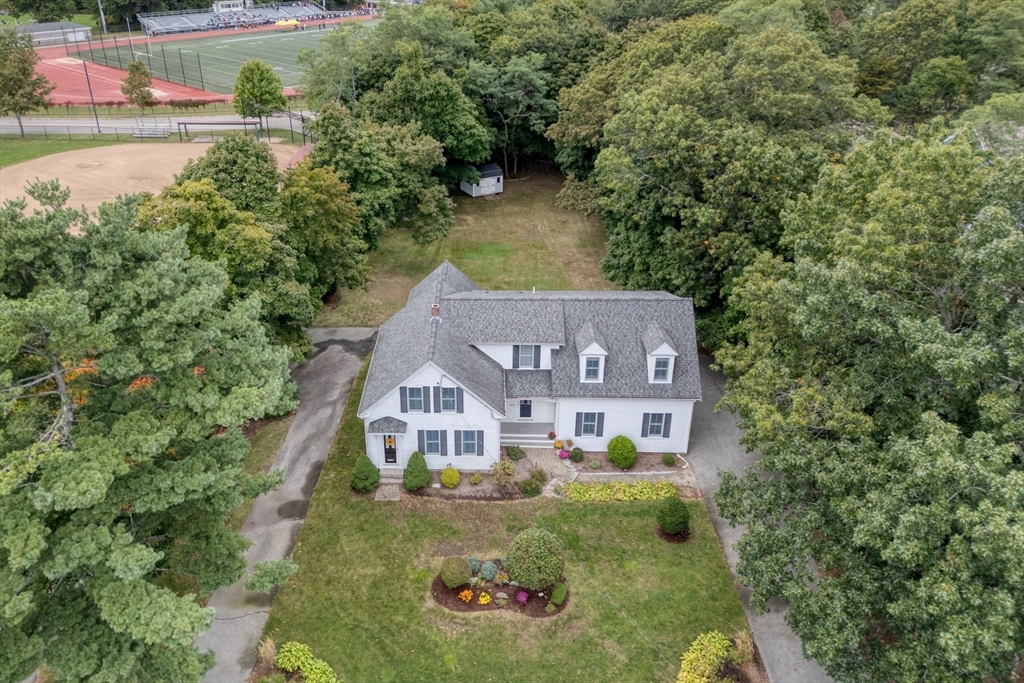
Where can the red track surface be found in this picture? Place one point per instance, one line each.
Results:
(68, 74)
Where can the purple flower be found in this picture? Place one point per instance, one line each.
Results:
(563, 454)
(522, 597)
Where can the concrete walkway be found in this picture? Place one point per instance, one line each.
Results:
(715, 445)
(324, 381)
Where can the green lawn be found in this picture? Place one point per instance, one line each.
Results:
(14, 150)
(517, 241)
(361, 597)
(263, 446)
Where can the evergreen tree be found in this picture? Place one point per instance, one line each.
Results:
(124, 379)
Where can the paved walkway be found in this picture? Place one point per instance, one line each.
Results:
(715, 445)
(324, 381)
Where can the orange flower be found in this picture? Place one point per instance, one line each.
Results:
(466, 596)
(143, 382)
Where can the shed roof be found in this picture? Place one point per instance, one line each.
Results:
(489, 171)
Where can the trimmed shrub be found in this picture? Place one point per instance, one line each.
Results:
(455, 571)
(365, 477)
(622, 452)
(474, 565)
(558, 593)
(319, 671)
(535, 559)
(576, 454)
(539, 476)
(530, 487)
(292, 656)
(513, 452)
(595, 464)
(668, 460)
(416, 475)
(705, 658)
(624, 491)
(504, 472)
(673, 516)
(488, 570)
(450, 477)
(476, 478)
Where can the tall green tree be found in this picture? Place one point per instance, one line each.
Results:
(430, 98)
(322, 220)
(252, 253)
(21, 88)
(696, 169)
(243, 170)
(137, 85)
(516, 97)
(124, 378)
(42, 10)
(334, 71)
(257, 90)
(390, 173)
(881, 380)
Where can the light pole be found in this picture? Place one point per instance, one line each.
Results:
(103, 18)
(91, 98)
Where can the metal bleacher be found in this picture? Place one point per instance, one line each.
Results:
(163, 23)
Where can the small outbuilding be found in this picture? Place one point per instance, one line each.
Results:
(492, 181)
(56, 33)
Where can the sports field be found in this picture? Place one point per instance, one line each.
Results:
(211, 63)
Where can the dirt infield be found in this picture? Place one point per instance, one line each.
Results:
(101, 174)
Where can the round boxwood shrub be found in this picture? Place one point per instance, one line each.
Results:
(455, 571)
(365, 477)
(622, 452)
(535, 559)
(416, 475)
(673, 516)
(513, 452)
(450, 477)
(530, 487)
(668, 460)
(576, 454)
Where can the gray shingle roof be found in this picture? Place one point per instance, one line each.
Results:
(627, 325)
(527, 383)
(410, 339)
(654, 336)
(387, 425)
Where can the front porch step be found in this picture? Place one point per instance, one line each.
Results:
(390, 477)
(527, 440)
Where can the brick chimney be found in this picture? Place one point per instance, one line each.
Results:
(435, 311)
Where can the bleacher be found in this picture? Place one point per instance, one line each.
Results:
(163, 23)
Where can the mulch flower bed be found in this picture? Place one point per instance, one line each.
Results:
(535, 606)
(672, 538)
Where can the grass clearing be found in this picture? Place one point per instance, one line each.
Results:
(361, 597)
(14, 150)
(519, 240)
(264, 444)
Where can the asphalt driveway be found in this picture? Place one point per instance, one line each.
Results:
(324, 381)
(714, 446)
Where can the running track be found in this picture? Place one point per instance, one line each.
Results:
(68, 74)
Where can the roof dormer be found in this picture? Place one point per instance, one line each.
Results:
(661, 355)
(592, 349)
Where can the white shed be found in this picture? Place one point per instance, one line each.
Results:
(492, 181)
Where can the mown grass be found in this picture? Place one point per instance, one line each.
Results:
(14, 150)
(361, 597)
(517, 241)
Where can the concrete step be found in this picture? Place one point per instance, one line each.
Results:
(528, 441)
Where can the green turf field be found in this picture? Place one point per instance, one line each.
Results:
(210, 63)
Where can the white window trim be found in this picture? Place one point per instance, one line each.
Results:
(600, 369)
(522, 365)
(583, 429)
(652, 362)
(520, 409)
(454, 399)
(464, 442)
(427, 441)
(410, 399)
(661, 426)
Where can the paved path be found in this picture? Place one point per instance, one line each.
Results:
(324, 381)
(715, 445)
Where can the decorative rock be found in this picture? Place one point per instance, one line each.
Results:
(513, 583)
(502, 596)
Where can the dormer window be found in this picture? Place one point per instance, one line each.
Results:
(526, 356)
(592, 371)
(661, 366)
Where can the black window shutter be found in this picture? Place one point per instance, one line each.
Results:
(536, 356)
(479, 442)
(403, 398)
(515, 356)
(646, 428)
(600, 424)
(458, 400)
(421, 441)
(458, 442)
(579, 424)
(437, 399)
(444, 442)
(667, 425)
(426, 399)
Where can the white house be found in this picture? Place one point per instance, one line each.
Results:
(461, 371)
(492, 181)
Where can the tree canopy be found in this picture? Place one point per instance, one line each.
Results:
(137, 86)
(125, 374)
(881, 380)
(243, 170)
(257, 90)
(21, 88)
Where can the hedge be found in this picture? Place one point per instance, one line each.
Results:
(702, 662)
(624, 491)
